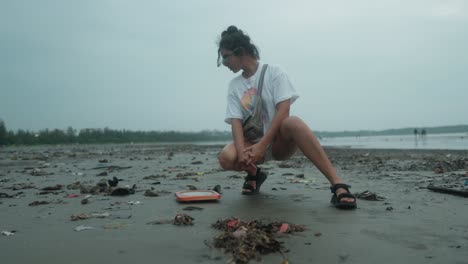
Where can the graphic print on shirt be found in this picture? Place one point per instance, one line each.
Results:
(248, 99)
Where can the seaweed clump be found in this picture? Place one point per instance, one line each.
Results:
(249, 240)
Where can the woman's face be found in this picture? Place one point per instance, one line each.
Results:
(230, 60)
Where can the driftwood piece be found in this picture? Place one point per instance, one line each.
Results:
(448, 191)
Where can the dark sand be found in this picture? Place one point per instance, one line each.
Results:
(422, 227)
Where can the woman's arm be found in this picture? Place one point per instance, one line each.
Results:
(257, 151)
(238, 137)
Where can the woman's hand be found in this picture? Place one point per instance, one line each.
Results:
(244, 157)
(256, 153)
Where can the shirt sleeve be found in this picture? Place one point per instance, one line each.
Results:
(283, 88)
(233, 108)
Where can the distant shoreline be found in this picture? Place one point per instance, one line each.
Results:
(112, 136)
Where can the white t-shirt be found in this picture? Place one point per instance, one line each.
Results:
(242, 94)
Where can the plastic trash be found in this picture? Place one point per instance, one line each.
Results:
(8, 233)
(284, 228)
(74, 195)
(82, 227)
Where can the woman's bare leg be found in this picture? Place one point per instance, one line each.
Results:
(295, 133)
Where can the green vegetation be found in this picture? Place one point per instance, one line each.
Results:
(106, 135)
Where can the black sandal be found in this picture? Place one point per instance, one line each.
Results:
(336, 200)
(259, 178)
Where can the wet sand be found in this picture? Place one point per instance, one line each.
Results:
(412, 225)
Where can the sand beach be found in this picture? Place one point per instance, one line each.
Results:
(52, 212)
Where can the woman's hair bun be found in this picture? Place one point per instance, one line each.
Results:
(230, 30)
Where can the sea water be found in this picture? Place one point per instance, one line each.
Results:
(430, 141)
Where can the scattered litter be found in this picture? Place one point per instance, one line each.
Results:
(284, 228)
(6, 195)
(74, 186)
(370, 196)
(111, 168)
(160, 222)
(151, 193)
(183, 219)
(114, 182)
(300, 179)
(121, 216)
(75, 195)
(84, 216)
(179, 219)
(35, 203)
(192, 187)
(53, 188)
(8, 233)
(192, 208)
(123, 191)
(217, 188)
(114, 226)
(39, 172)
(197, 195)
(462, 193)
(21, 186)
(82, 227)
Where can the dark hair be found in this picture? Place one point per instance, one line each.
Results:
(234, 39)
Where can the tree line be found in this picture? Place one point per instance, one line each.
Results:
(105, 135)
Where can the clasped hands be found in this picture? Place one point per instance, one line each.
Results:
(253, 155)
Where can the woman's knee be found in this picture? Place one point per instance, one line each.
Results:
(227, 157)
(291, 123)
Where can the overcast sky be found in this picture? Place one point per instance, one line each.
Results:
(151, 65)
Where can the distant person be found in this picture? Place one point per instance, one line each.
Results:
(282, 134)
(423, 133)
(416, 132)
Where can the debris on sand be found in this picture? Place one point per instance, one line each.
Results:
(448, 191)
(192, 208)
(39, 172)
(217, 189)
(112, 168)
(122, 191)
(6, 195)
(246, 240)
(114, 181)
(179, 219)
(35, 203)
(84, 216)
(21, 186)
(183, 219)
(370, 196)
(8, 233)
(53, 188)
(153, 193)
(82, 227)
